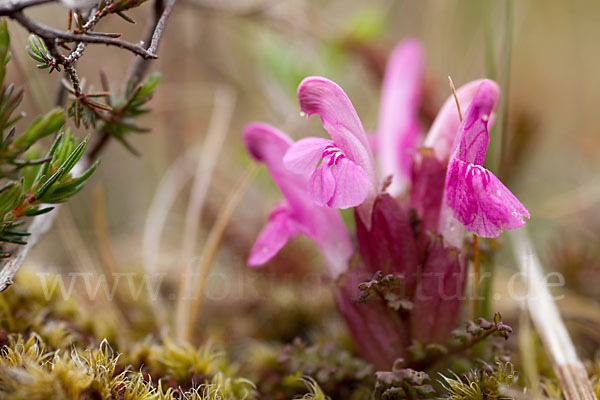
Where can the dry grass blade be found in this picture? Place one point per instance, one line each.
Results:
(214, 238)
(549, 324)
(85, 264)
(172, 183)
(207, 160)
(105, 251)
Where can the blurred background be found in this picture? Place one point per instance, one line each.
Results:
(226, 63)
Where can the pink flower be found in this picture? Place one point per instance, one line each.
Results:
(342, 171)
(478, 199)
(297, 213)
(399, 131)
(443, 131)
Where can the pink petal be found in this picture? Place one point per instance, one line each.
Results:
(443, 130)
(321, 96)
(323, 225)
(351, 185)
(279, 229)
(325, 98)
(481, 202)
(304, 155)
(398, 128)
(265, 143)
(321, 185)
(472, 136)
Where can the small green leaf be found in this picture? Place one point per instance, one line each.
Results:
(32, 212)
(42, 190)
(41, 127)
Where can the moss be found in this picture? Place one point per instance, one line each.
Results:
(315, 392)
(58, 348)
(482, 383)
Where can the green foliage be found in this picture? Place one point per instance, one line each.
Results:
(115, 118)
(28, 182)
(315, 391)
(39, 52)
(4, 49)
(48, 181)
(120, 124)
(117, 6)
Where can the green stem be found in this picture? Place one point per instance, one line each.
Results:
(488, 37)
(498, 131)
(503, 114)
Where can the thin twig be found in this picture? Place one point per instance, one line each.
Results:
(160, 26)
(9, 7)
(48, 33)
(140, 66)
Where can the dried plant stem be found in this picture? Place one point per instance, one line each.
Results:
(214, 238)
(528, 350)
(105, 251)
(453, 89)
(172, 183)
(207, 160)
(83, 262)
(549, 324)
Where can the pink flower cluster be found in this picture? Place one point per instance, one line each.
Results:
(412, 226)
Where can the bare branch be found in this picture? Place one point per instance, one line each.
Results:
(140, 66)
(160, 26)
(12, 6)
(48, 33)
(139, 69)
